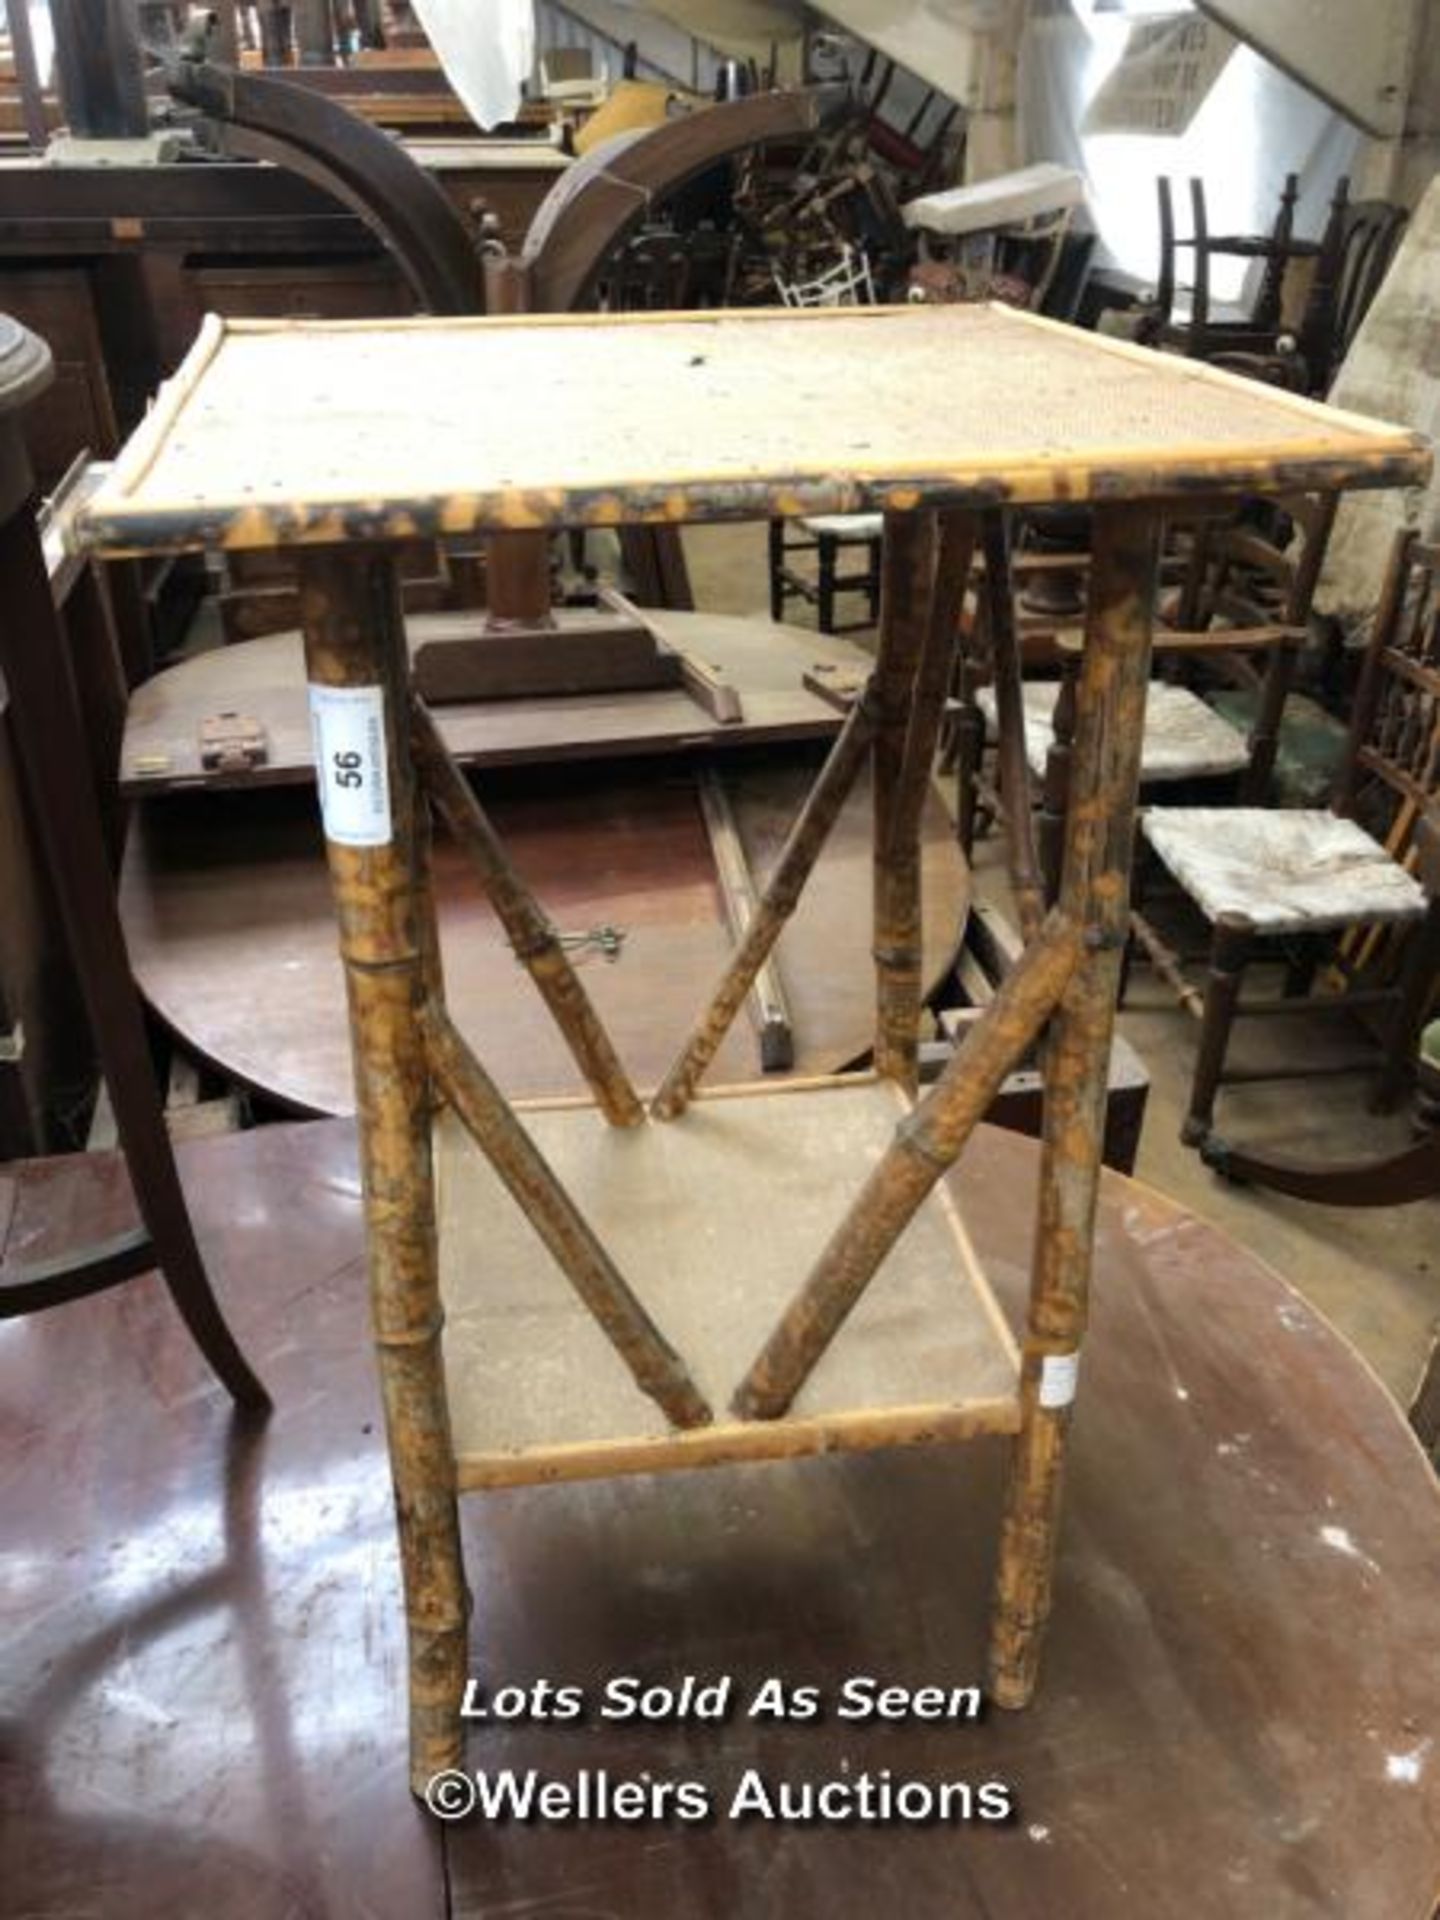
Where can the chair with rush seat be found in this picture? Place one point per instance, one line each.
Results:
(577, 1288)
(1239, 612)
(1332, 888)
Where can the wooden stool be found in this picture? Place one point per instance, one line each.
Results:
(611, 1309)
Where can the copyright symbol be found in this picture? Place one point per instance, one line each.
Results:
(451, 1794)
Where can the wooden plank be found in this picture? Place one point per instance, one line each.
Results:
(569, 419)
(767, 1002)
(265, 678)
(535, 1393)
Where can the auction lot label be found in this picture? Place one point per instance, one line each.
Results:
(853, 1794)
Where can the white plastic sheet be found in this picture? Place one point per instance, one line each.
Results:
(1253, 128)
(487, 51)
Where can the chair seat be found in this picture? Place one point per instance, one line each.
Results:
(1184, 738)
(715, 1220)
(1288, 872)
(845, 526)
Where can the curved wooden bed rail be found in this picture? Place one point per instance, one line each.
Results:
(268, 119)
(596, 202)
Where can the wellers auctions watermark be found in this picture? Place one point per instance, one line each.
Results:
(599, 1796)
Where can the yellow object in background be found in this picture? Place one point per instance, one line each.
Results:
(632, 104)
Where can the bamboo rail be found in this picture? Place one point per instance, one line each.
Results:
(1010, 725)
(355, 638)
(803, 845)
(925, 1146)
(907, 566)
(1095, 895)
(899, 988)
(530, 933)
(487, 1117)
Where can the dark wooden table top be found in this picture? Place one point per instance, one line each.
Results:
(204, 1672)
(265, 680)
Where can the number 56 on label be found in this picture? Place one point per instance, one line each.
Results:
(348, 724)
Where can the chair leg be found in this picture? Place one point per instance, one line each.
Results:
(1417, 982)
(827, 552)
(1050, 827)
(1137, 903)
(53, 752)
(1265, 734)
(1229, 950)
(1054, 796)
(1301, 968)
(968, 737)
(777, 570)
(1425, 1407)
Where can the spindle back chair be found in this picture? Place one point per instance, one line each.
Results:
(1332, 889)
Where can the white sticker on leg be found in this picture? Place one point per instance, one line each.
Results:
(1058, 1374)
(349, 728)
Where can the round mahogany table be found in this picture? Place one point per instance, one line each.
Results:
(230, 921)
(1238, 1710)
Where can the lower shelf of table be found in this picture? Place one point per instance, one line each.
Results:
(714, 1220)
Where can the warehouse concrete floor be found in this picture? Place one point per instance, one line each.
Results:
(1375, 1272)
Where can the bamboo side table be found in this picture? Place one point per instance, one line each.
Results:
(638, 1286)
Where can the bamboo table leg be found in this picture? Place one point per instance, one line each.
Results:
(907, 570)
(899, 987)
(1095, 894)
(1011, 755)
(355, 640)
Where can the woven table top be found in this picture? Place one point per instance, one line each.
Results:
(278, 432)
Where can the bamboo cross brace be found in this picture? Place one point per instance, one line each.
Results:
(1010, 726)
(534, 940)
(802, 848)
(899, 987)
(484, 1112)
(926, 1144)
(907, 571)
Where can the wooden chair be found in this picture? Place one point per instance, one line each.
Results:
(56, 761)
(603, 1288)
(1239, 610)
(1302, 879)
(827, 536)
(1356, 249)
(847, 283)
(1198, 333)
